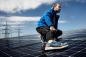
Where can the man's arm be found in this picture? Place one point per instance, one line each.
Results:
(49, 22)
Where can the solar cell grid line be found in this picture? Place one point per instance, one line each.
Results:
(27, 48)
(70, 48)
(84, 42)
(51, 53)
(25, 45)
(31, 52)
(76, 48)
(19, 51)
(67, 53)
(74, 44)
(59, 56)
(37, 54)
(70, 53)
(56, 53)
(42, 55)
(71, 41)
(84, 51)
(36, 46)
(82, 45)
(29, 56)
(34, 49)
(20, 55)
(48, 54)
(30, 49)
(80, 54)
(13, 53)
(77, 52)
(6, 54)
(3, 55)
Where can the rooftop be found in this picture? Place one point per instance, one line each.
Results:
(30, 46)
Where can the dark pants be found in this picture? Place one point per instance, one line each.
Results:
(46, 33)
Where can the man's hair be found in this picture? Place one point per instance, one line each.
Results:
(55, 4)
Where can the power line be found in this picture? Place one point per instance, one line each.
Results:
(6, 30)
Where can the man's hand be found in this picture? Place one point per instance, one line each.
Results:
(52, 29)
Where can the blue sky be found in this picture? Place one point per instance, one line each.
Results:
(75, 15)
(28, 12)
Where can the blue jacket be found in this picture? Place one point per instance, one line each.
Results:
(48, 19)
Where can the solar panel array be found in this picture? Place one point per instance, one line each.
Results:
(14, 47)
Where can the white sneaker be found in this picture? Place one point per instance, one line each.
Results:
(53, 43)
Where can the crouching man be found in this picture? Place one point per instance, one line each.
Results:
(48, 25)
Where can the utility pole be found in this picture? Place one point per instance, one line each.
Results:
(6, 34)
(6, 30)
(19, 30)
(1, 27)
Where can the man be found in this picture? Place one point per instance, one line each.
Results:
(48, 25)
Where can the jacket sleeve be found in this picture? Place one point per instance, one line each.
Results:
(48, 20)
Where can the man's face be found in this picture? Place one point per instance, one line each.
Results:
(57, 8)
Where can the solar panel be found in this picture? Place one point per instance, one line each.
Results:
(80, 54)
(32, 48)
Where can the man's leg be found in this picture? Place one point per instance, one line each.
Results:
(57, 34)
(52, 38)
(50, 35)
(43, 31)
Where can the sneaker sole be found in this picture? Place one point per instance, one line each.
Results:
(53, 48)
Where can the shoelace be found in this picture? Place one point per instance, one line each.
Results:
(55, 44)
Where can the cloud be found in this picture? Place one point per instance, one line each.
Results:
(82, 1)
(17, 5)
(13, 6)
(21, 19)
(17, 19)
(62, 21)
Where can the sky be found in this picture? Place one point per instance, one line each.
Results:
(28, 12)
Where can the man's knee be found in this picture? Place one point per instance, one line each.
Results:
(59, 32)
(42, 31)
